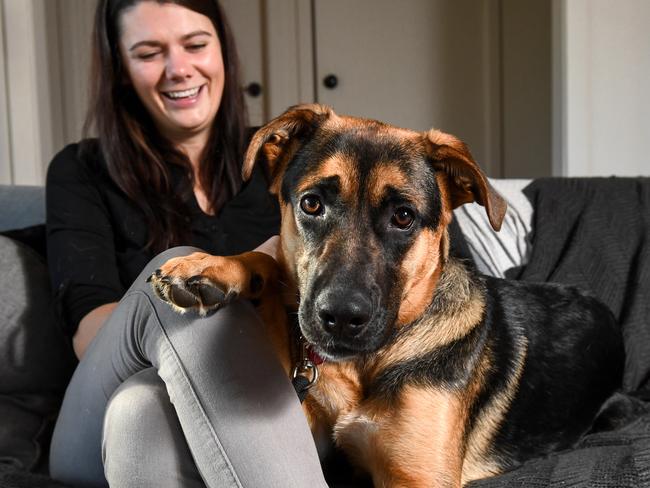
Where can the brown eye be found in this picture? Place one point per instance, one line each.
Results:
(310, 204)
(402, 218)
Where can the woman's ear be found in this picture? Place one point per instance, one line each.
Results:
(465, 181)
(278, 140)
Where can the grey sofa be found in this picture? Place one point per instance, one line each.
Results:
(35, 359)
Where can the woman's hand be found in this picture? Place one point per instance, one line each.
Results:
(270, 247)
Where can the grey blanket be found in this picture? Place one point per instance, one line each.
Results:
(595, 233)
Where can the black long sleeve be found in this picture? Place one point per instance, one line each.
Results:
(96, 236)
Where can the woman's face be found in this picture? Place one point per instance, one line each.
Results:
(172, 57)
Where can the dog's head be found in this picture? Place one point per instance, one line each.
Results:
(365, 207)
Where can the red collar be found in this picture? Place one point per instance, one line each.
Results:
(313, 355)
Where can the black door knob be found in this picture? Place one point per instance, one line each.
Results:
(254, 89)
(330, 81)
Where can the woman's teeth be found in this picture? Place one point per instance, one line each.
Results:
(192, 92)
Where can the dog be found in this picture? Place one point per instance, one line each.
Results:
(431, 374)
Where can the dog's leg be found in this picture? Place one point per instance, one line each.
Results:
(420, 443)
(203, 282)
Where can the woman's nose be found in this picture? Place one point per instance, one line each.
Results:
(178, 65)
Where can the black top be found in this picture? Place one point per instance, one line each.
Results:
(96, 236)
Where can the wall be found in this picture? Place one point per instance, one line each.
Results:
(600, 60)
(5, 149)
(43, 68)
(603, 88)
(29, 135)
(526, 88)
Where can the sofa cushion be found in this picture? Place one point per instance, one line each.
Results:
(35, 359)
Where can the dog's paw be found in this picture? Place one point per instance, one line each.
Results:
(197, 282)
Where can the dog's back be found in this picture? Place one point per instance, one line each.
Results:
(574, 362)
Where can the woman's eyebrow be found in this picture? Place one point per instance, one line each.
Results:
(152, 43)
(195, 33)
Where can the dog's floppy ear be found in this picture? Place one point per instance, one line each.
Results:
(275, 141)
(466, 181)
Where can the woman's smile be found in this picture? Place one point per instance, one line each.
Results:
(179, 99)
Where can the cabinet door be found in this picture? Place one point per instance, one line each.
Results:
(413, 63)
(245, 18)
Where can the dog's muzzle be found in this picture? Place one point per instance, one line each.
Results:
(342, 323)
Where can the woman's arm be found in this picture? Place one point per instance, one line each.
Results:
(89, 326)
(270, 246)
(80, 245)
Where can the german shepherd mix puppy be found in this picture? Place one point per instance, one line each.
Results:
(433, 375)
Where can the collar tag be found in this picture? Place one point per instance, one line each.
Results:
(307, 365)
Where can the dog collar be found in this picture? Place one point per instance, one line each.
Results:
(313, 355)
(305, 372)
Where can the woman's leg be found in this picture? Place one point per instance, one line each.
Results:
(141, 424)
(237, 409)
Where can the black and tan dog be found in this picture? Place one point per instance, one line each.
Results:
(433, 375)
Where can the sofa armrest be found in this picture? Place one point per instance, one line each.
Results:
(22, 206)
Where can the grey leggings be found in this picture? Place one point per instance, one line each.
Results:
(233, 406)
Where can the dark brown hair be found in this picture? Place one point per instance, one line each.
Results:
(139, 159)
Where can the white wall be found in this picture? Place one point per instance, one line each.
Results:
(28, 136)
(601, 79)
(44, 51)
(526, 88)
(29, 97)
(604, 84)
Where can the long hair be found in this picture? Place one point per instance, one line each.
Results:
(139, 159)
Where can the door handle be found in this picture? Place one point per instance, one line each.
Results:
(254, 89)
(331, 81)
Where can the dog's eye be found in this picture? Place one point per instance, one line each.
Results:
(402, 218)
(310, 204)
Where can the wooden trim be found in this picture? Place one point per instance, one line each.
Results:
(75, 23)
(22, 92)
(288, 54)
(576, 88)
(492, 92)
(48, 113)
(5, 128)
(558, 87)
(306, 50)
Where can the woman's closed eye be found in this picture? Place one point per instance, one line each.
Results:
(145, 55)
(196, 46)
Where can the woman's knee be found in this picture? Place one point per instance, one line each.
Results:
(142, 437)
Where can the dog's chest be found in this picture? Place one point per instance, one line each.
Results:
(337, 400)
(337, 391)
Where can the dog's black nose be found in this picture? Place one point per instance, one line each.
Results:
(344, 314)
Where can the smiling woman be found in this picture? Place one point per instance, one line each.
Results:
(158, 399)
(172, 58)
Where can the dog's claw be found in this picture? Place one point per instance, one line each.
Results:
(158, 290)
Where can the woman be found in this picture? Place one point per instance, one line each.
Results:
(165, 171)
